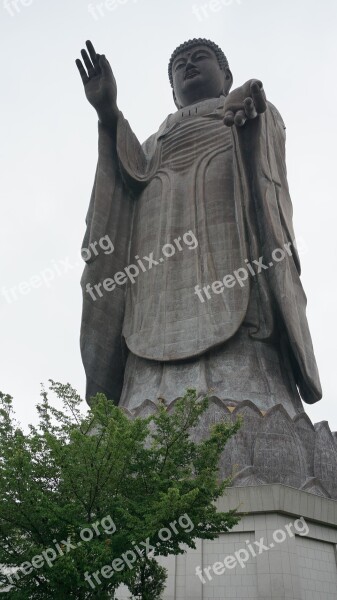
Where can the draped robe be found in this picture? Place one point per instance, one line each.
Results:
(193, 175)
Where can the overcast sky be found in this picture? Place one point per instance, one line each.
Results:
(49, 151)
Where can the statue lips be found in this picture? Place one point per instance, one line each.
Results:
(191, 73)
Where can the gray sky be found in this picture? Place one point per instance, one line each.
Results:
(49, 150)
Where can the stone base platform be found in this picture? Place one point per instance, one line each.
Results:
(270, 447)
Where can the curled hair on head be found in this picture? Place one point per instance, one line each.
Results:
(221, 58)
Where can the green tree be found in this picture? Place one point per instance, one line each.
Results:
(147, 582)
(93, 493)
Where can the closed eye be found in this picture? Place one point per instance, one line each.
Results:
(200, 56)
(179, 65)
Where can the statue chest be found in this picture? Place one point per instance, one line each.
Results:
(192, 141)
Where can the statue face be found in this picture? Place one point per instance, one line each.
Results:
(197, 75)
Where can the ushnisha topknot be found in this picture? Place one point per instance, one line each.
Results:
(222, 60)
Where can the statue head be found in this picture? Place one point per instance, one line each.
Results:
(198, 69)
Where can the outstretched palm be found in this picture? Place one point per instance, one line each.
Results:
(98, 79)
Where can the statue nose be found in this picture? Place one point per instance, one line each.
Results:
(189, 65)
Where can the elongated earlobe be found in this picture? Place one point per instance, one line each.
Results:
(175, 100)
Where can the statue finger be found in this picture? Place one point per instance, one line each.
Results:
(93, 54)
(240, 118)
(250, 109)
(88, 63)
(229, 118)
(82, 71)
(259, 96)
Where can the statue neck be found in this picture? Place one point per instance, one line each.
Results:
(200, 108)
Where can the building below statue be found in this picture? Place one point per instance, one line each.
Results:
(284, 548)
(284, 485)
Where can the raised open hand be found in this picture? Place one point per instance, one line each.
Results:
(98, 79)
(245, 103)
